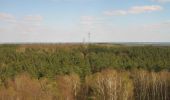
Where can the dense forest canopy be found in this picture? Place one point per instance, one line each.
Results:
(84, 72)
(50, 60)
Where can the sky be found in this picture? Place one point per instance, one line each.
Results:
(72, 21)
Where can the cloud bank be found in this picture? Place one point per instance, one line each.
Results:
(161, 1)
(26, 24)
(134, 10)
(5, 17)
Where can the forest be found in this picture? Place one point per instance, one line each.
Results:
(84, 72)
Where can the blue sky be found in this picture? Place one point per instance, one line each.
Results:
(72, 20)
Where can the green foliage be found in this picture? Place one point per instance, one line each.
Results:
(49, 61)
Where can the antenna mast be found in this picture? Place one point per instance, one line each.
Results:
(84, 41)
(89, 36)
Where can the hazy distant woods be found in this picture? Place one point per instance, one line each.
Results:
(84, 72)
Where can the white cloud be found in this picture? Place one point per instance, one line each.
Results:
(134, 10)
(27, 24)
(161, 1)
(143, 9)
(115, 12)
(7, 17)
(90, 20)
(71, 0)
(163, 26)
(33, 18)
